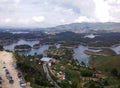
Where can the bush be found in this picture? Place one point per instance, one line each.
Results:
(87, 72)
(114, 72)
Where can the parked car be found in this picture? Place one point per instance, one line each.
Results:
(0, 78)
(7, 73)
(9, 77)
(0, 82)
(6, 70)
(19, 75)
(4, 67)
(11, 81)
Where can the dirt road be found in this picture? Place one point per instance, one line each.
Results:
(6, 62)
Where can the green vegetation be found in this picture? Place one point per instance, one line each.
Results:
(9, 38)
(103, 52)
(73, 39)
(36, 46)
(76, 75)
(55, 52)
(87, 73)
(65, 38)
(109, 65)
(22, 47)
(105, 63)
(91, 84)
(74, 72)
(32, 71)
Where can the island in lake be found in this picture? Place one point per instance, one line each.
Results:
(24, 47)
(36, 46)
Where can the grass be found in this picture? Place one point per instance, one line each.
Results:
(106, 64)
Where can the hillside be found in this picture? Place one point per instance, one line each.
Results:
(105, 63)
(110, 66)
(87, 27)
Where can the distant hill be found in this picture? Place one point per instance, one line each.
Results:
(74, 27)
(87, 27)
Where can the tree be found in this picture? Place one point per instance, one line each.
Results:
(114, 72)
(76, 84)
(86, 72)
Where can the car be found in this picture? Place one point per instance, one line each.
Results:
(7, 72)
(0, 78)
(9, 77)
(21, 82)
(4, 67)
(11, 81)
(0, 82)
(19, 75)
(23, 85)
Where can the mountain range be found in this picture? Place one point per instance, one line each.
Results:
(86, 27)
(74, 27)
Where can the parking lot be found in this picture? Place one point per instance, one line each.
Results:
(9, 76)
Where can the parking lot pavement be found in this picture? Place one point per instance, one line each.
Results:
(7, 71)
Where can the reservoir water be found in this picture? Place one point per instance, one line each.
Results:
(80, 55)
(116, 49)
(31, 43)
(78, 52)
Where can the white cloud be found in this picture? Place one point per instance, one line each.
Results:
(56, 12)
(38, 18)
(102, 11)
(114, 9)
(23, 21)
(62, 20)
(84, 19)
(7, 20)
(17, 3)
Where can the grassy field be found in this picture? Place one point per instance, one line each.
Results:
(106, 64)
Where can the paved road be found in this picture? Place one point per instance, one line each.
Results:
(49, 77)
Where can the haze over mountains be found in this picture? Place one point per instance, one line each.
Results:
(87, 27)
(74, 27)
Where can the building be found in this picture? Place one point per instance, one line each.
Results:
(48, 60)
(61, 75)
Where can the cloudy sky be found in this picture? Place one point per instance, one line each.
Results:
(47, 13)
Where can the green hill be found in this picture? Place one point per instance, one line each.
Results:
(105, 63)
(109, 66)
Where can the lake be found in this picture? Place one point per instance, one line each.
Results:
(78, 52)
(80, 55)
(31, 43)
(116, 49)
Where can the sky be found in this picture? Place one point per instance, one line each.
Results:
(49, 13)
